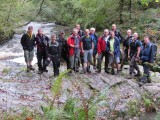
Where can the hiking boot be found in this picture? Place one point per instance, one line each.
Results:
(94, 67)
(88, 69)
(148, 80)
(112, 72)
(28, 69)
(40, 72)
(106, 71)
(83, 71)
(31, 68)
(45, 70)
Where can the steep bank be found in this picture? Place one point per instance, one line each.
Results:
(6, 35)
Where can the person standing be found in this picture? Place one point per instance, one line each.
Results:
(28, 43)
(117, 33)
(81, 34)
(87, 47)
(54, 54)
(114, 52)
(64, 47)
(126, 43)
(74, 50)
(95, 41)
(133, 54)
(42, 43)
(147, 56)
(103, 51)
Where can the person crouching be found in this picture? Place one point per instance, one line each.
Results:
(54, 54)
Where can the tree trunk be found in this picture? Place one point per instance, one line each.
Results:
(121, 4)
(130, 9)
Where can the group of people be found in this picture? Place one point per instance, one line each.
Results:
(85, 48)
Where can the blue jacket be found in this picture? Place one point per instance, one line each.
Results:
(95, 41)
(116, 46)
(147, 53)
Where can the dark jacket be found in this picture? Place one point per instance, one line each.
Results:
(63, 46)
(147, 54)
(54, 50)
(95, 41)
(119, 36)
(42, 43)
(27, 42)
(80, 33)
(116, 47)
(126, 43)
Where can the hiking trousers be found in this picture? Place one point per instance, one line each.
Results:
(134, 64)
(100, 58)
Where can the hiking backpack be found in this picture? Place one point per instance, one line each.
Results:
(154, 48)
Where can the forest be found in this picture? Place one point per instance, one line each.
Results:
(139, 15)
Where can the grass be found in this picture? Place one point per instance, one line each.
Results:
(6, 70)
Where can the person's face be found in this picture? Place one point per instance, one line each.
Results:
(113, 27)
(129, 33)
(92, 31)
(106, 33)
(75, 32)
(135, 36)
(112, 34)
(87, 32)
(53, 38)
(40, 31)
(146, 40)
(78, 27)
(62, 35)
(30, 31)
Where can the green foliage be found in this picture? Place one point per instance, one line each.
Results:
(57, 115)
(5, 70)
(133, 108)
(147, 102)
(57, 85)
(14, 13)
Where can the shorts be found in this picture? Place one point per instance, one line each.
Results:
(28, 55)
(113, 60)
(88, 56)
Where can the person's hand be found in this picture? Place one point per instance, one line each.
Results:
(48, 59)
(82, 51)
(76, 46)
(129, 57)
(137, 59)
(111, 53)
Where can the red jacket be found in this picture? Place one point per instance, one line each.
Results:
(101, 47)
(70, 42)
